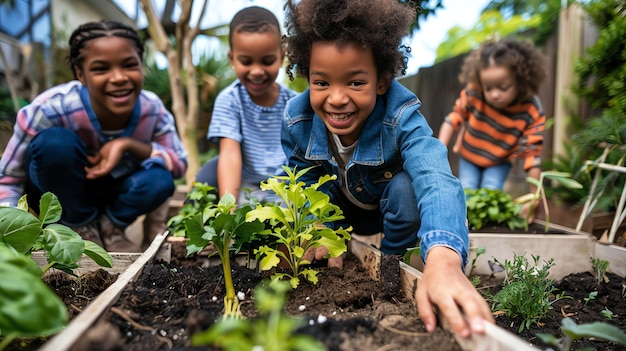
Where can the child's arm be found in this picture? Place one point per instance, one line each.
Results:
(229, 167)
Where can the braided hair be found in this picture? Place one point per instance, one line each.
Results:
(253, 19)
(94, 30)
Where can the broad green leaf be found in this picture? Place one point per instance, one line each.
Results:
(9, 256)
(310, 274)
(18, 228)
(62, 244)
(49, 208)
(98, 254)
(598, 330)
(28, 307)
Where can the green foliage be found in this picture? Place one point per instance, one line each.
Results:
(479, 251)
(24, 233)
(273, 330)
(200, 197)
(491, 207)
(298, 226)
(490, 25)
(413, 251)
(598, 268)
(570, 161)
(527, 292)
(606, 313)
(225, 226)
(28, 307)
(532, 199)
(572, 331)
(592, 296)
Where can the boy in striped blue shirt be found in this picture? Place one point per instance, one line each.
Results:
(247, 117)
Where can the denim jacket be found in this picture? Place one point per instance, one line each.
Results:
(396, 137)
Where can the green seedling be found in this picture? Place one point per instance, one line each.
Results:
(28, 307)
(410, 252)
(527, 292)
(532, 199)
(592, 295)
(479, 251)
(273, 330)
(599, 268)
(572, 331)
(225, 226)
(606, 313)
(298, 225)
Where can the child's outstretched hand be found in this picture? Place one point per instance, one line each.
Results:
(445, 286)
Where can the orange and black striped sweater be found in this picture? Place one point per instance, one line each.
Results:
(492, 135)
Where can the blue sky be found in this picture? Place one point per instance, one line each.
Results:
(424, 43)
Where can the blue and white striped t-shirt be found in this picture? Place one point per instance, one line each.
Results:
(256, 128)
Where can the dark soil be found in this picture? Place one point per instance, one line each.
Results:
(578, 286)
(172, 301)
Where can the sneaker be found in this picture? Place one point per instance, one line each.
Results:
(114, 238)
(90, 232)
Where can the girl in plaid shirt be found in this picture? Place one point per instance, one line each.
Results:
(108, 149)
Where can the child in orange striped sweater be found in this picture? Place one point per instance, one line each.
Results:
(498, 113)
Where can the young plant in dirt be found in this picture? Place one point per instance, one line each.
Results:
(598, 269)
(572, 331)
(532, 199)
(200, 197)
(25, 233)
(225, 226)
(28, 307)
(491, 207)
(527, 292)
(298, 225)
(272, 330)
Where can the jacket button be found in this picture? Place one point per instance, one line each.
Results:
(358, 189)
(388, 175)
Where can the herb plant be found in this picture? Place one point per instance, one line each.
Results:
(298, 225)
(28, 307)
(599, 267)
(527, 292)
(573, 331)
(491, 207)
(533, 199)
(200, 197)
(225, 226)
(273, 330)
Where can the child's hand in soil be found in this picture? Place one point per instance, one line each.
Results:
(321, 253)
(445, 286)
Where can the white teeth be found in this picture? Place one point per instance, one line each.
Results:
(339, 116)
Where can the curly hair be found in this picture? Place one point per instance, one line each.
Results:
(253, 19)
(93, 30)
(379, 25)
(521, 57)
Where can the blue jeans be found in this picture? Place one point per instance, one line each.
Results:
(392, 217)
(475, 177)
(55, 163)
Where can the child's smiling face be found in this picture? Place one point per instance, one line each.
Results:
(112, 72)
(344, 84)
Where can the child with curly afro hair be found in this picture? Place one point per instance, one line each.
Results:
(498, 114)
(357, 122)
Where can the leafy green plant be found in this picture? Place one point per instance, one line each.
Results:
(200, 197)
(573, 331)
(599, 267)
(606, 313)
(527, 292)
(479, 251)
(592, 296)
(410, 252)
(25, 233)
(299, 225)
(225, 226)
(273, 330)
(28, 307)
(533, 199)
(491, 207)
